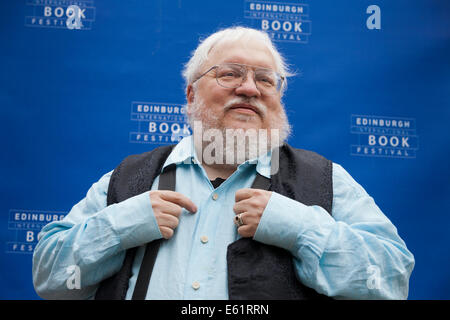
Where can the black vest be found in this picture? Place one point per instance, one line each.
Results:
(255, 270)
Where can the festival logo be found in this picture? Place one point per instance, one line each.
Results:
(283, 21)
(379, 136)
(159, 123)
(60, 14)
(25, 226)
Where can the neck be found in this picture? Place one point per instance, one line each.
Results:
(215, 170)
(218, 171)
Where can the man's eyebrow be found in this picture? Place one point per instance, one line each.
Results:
(260, 65)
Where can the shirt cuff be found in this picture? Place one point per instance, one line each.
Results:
(133, 221)
(291, 225)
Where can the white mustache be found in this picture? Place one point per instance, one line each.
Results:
(261, 107)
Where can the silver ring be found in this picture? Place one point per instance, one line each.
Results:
(238, 220)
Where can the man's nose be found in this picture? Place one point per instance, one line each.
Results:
(248, 87)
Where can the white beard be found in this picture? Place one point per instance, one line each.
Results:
(221, 145)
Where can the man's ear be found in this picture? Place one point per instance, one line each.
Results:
(190, 94)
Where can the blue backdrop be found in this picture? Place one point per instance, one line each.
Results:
(83, 83)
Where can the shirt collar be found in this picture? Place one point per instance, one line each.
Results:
(184, 152)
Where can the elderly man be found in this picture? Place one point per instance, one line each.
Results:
(193, 221)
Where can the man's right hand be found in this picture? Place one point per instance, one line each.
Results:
(167, 207)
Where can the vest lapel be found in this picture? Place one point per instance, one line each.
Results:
(260, 271)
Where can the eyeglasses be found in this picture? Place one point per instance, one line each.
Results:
(232, 75)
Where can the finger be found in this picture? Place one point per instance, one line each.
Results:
(239, 219)
(170, 208)
(166, 232)
(179, 199)
(246, 231)
(249, 204)
(166, 220)
(249, 219)
(243, 194)
(161, 207)
(240, 207)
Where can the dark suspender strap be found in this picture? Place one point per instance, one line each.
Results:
(261, 182)
(167, 181)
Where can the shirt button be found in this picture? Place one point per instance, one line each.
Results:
(204, 239)
(215, 196)
(196, 285)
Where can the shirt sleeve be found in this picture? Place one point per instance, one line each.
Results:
(355, 253)
(75, 254)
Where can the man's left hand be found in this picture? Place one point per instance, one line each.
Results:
(250, 203)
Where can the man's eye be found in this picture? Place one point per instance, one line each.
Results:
(229, 73)
(266, 80)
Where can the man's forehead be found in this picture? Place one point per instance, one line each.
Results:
(247, 52)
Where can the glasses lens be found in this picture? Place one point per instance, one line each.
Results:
(230, 75)
(267, 81)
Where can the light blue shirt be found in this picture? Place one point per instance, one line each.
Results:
(354, 254)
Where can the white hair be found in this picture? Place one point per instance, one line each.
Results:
(200, 54)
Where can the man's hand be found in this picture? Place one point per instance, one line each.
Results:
(251, 204)
(167, 207)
